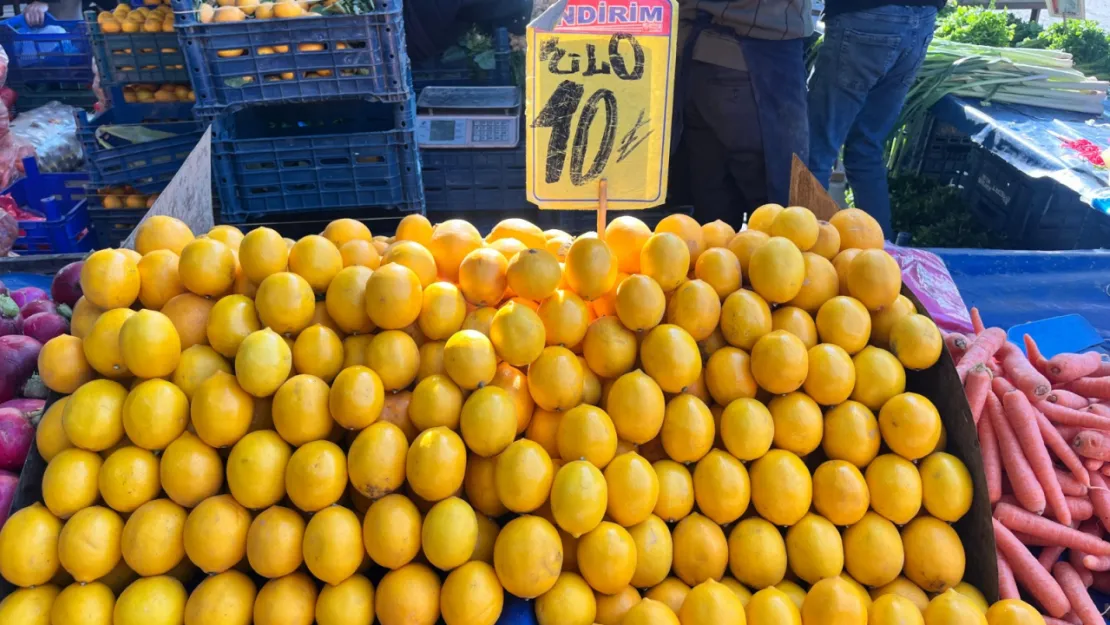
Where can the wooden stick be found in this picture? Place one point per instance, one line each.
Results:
(602, 207)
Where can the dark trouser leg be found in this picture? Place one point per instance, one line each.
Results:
(724, 144)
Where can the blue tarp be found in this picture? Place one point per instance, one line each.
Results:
(1031, 139)
(1013, 287)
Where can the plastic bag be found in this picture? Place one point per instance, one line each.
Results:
(3, 67)
(925, 274)
(51, 131)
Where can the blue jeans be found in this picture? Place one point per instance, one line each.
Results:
(864, 70)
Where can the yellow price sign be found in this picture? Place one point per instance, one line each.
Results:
(599, 92)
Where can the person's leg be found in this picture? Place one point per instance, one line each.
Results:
(859, 49)
(725, 149)
(864, 147)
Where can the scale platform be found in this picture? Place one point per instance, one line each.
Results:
(468, 117)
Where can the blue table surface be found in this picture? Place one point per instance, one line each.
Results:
(1031, 139)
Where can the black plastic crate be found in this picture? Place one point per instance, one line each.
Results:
(297, 225)
(112, 226)
(942, 152)
(321, 156)
(463, 72)
(475, 180)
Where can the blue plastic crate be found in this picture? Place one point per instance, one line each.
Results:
(475, 180)
(35, 56)
(462, 73)
(296, 60)
(354, 155)
(112, 226)
(146, 166)
(59, 198)
(35, 95)
(126, 58)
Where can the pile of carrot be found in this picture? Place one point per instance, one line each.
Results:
(1044, 431)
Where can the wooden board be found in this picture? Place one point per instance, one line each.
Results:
(806, 191)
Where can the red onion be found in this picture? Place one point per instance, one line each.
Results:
(66, 287)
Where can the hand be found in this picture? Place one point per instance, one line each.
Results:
(35, 14)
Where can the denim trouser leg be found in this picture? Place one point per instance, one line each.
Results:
(865, 68)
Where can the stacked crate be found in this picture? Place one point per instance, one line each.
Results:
(135, 147)
(48, 66)
(312, 115)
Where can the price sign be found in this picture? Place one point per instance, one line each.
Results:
(599, 92)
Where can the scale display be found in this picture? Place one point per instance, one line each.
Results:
(468, 117)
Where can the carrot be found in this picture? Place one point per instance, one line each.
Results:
(1048, 620)
(1104, 469)
(1075, 559)
(1001, 386)
(956, 344)
(980, 350)
(1063, 368)
(992, 462)
(1070, 582)
(1081, 508)
(1069, 416)
(1024, 376)
(1100, 498)
(1067, 399)
(1049, 556)
(1068, 432)
(977, 386)
(1028, 572)
(1096, 563)
(1034, 353)
(1018, 471)
(976, 321)
(1023, 420)
(1059, 446)
(995, 368)
(1089, 562)
(1103, 370)
(1093, 465)
(1100, 409)
(1007, 587)
(1020, 520)
(1032, 541)
(1092, 444)
(1090, 387)
(1070, 484)
(1072, 618)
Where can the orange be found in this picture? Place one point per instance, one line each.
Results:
(534, 274)
(262, 253)
(728, 375)
(285, 303)
(636, 406)
(522, 230)
(93, 416)
(300, 410)
(394, 356)
(70, 482)
(578, 497)
(316, 475)
(745, 317)
(873, 552)
(409, 595)
(857, 229)
(883, 320)
(757, 553)
(946, 486)
(159, 279)
(469, 359)
(797, 224)
(436, 464)
(149, 344)
(782, 489)
(528, 556)
(110, 279)
(779, 362)
(797, 322)
(517, 334)
(607, 558)
(777, 270)
(62, 364)
(345, 300)
(341, 231)
(831, 376)
(555, 379)
(190, 471)
(700, 550)
(833, 601)
(332, 545)
(746, 428)
(129, 478)
(586, 432)
(842, 261)
(915, 340)
(935, 557)
(231, 320)
(688, 429)
(640, 303)
(482, 277)
(879, 376)
(719, 268)
(228, 596)
(319, 352)
(840, 493)
(393, 297)
(415, 228)
(895, 488)
(256, 469)
(910, 425)
(515, 383)
(761, 218)
(687, 229)
(162, 232)
(695, 307)
(207, 267)
(676, 491)
(216, 534)
(221, 410)
(523, 476)
(722, 489)
(149, 601)
(1013, 612)
(359, 252)
(744, 243)
(85, 314)
(442, 312)
(356, 397)
(717, 234)
(845, 322)
(651, 612)
(50, 436)
(591, 268)
(451, 241)
(666, 259)
(626, 236)
(488, 421)
(391, 531)
(798, 423)
(414, 256)
(609, 348)
(820, 285)
(291, 598)
(671, 357)
(189, 314)
(851, 433)
(263, 362)
(875, 279)
(471, 595)
(565, 318)
(828, 240)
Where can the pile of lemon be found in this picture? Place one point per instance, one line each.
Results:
(681, 426)
(147, 93)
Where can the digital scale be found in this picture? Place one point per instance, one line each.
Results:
(468, 117)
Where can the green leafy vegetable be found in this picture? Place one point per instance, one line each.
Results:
(978, 25)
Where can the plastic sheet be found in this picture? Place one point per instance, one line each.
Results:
(924, 273)
(1012, 287)
(1039, 142)
(51, 132)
